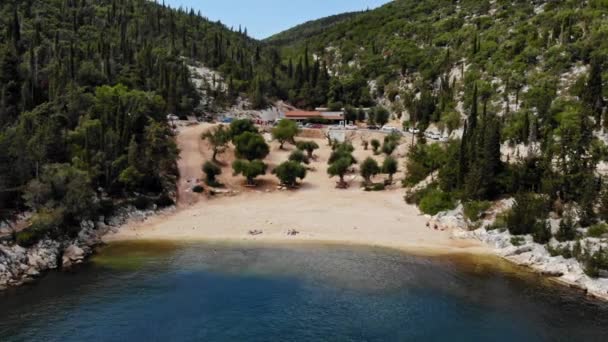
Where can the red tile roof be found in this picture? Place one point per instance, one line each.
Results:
(302, 113)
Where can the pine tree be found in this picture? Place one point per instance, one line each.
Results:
(593, 93)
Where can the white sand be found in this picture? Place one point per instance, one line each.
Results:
(318, 211)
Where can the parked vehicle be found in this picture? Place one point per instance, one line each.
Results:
(432, 135)
(413, 130)
(390, 129)
(351, 127)
(373, 127)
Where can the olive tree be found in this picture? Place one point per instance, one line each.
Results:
(289, 171)
(308, 146)
(340, 161)
(238, 127)
(285, 131)
(339, 168)
(251, 146)
(218, 137)
(299, 157)
(375, 145)
(249, 169)
(390, 166)
(368, 169)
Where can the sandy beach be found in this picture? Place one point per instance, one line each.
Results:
(318, 211)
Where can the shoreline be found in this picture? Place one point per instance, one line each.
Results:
(345, 221)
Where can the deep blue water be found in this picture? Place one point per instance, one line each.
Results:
(150, 292)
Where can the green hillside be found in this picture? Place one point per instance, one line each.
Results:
(309, 29)
(85, 87)
(521, 75)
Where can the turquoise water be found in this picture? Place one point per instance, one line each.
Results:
(151, 292)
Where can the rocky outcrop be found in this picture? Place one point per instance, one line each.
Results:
(19, 265)
(72, 255)
(523, 251)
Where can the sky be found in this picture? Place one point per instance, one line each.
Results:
(263, 18)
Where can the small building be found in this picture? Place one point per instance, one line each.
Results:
(301, 115)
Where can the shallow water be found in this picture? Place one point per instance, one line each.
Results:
(211, 292)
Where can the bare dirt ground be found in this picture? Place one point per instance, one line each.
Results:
(317, 210)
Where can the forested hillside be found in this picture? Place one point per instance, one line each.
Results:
(85, 90)
(308, 29)
(518, 85)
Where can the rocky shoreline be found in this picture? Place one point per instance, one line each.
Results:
(523, 251)
(19, 265)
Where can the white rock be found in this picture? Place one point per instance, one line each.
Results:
(72, 255)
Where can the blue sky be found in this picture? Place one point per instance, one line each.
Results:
(263, 18)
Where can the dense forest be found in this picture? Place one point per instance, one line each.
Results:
(308, 29)
(85, 90)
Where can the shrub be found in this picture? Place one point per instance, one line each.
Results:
(164, 201)
(27, 238)
(541, 232)
(308, 146)
(375, 145)
(474, 209)
(391, 142)
(414, 197)
(390, 166)
(43, 223)
(597, 230)
(567, 229)
(141, 202)
(211, 170)
(564, 251)
(378, 187)
(595, 262)
(527, 211)
(298, 156)
(517, 241)
(289, 171)
(198, 189)
(500, 222)
(436, 201)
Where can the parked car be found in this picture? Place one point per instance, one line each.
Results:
(413, 130)
(373, 127)
(390, 129)
(351, 127)
(432, 135)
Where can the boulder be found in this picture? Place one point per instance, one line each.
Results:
(72, 255)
